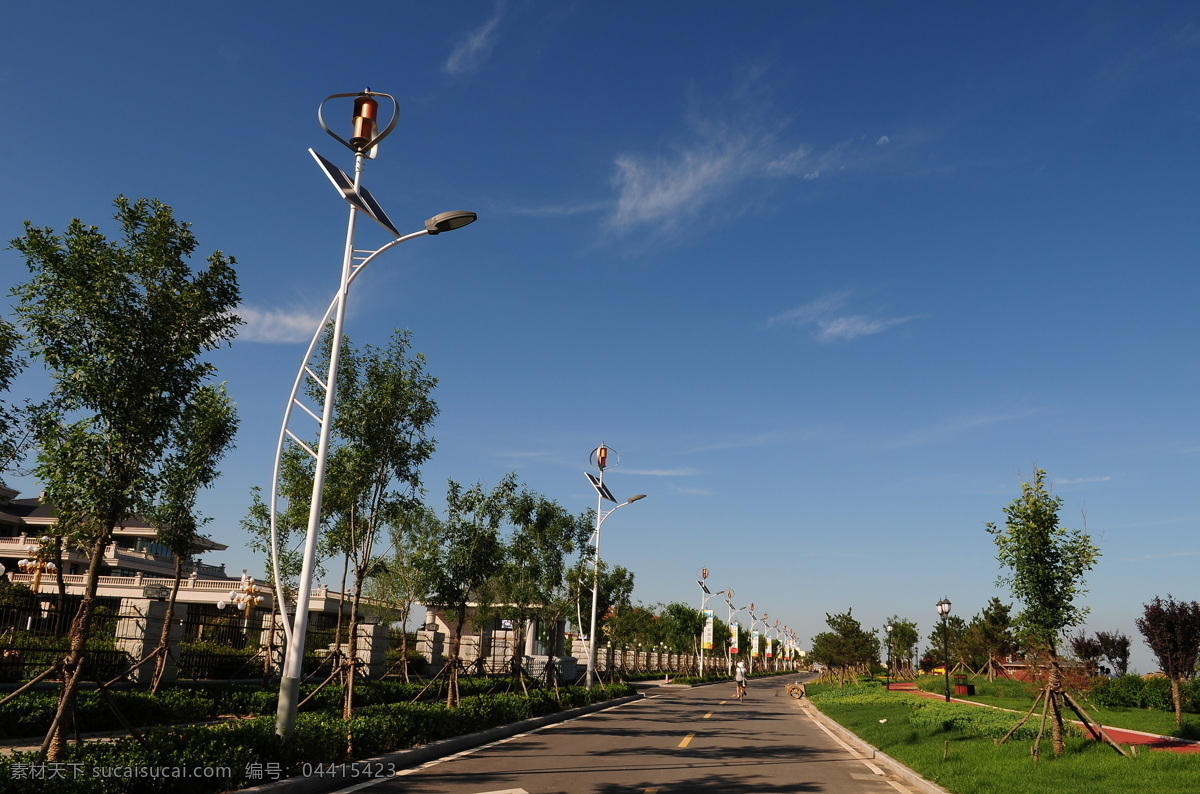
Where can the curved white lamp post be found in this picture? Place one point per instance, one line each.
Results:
(600, 458)
(363, 143)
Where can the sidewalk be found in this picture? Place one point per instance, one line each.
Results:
(1151, 741)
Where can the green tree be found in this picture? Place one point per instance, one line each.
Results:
(615, 588)
(939, 652)
(463, 557)
(1045, 565)
(631, 625)
(902, 641)
(14, 430)
(988, 637)
(122, 327)
(397, 581)
(847, 645)
(379, 441)
(1172, 631)
(537, 557)
(682, 625)
(198, 440)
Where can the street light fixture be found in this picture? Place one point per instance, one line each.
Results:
(364, 143)
(943, 609)
(600, 459)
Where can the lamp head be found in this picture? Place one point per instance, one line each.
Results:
(449, 221)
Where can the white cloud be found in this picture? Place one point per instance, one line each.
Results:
(471, 52)
(882, 140)
(691, 491)
(275, 326)
(662, 472)
(825, 314)
(856, 325)
(728, 145)
(1078, 480)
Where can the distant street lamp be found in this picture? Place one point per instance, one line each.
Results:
(600, 459)
(943, 608)
(363, 141)
(705, 596)
(731, 647)
(888, 676)
(753, 641)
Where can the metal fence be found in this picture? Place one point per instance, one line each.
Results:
(34, 635)
(223, 643)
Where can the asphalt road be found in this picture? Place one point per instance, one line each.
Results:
(675, 740)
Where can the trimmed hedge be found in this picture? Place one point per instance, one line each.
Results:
(245, 747)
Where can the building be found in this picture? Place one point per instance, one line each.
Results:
(133, 555)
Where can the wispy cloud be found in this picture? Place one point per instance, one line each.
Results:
(954, 426)
(1078, 480)
(1167, 556)
(470, 53)
(728, 145)
(691, 491)
(662, 472)
(276, 326)
(829, 321)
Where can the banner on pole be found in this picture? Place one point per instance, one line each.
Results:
(754, 644)
(733, 638)
(706, 639)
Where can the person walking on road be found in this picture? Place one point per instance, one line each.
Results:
(739, 680)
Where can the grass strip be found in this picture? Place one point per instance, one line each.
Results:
(958, 752)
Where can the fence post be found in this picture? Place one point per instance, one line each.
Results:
(139, 627)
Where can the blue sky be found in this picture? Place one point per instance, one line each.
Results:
(831, 277)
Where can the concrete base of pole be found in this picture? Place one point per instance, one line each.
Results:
(285, 715)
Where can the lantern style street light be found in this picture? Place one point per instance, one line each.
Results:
(943, 609)
(600, 459)
(364, 142)
(38, 562)
(245, 597)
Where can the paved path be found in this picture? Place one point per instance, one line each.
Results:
(676, 740)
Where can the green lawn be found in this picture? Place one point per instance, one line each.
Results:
(965, 763)
(1019, 696)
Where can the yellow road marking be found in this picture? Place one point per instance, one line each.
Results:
(706, 716)
(687, 740)
(723, 702)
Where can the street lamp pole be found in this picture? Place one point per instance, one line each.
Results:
(705, 596)
(600, 459)
(363, 142)
(888, 676)
(733, 629)
(943, 608)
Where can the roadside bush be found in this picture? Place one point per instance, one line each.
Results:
(318, 738)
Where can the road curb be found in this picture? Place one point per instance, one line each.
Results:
(880, 758)
(353, 772)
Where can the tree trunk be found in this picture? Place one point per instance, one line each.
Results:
(1055, 696)
(1177, 699)
(164, 637)
(56, 737)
